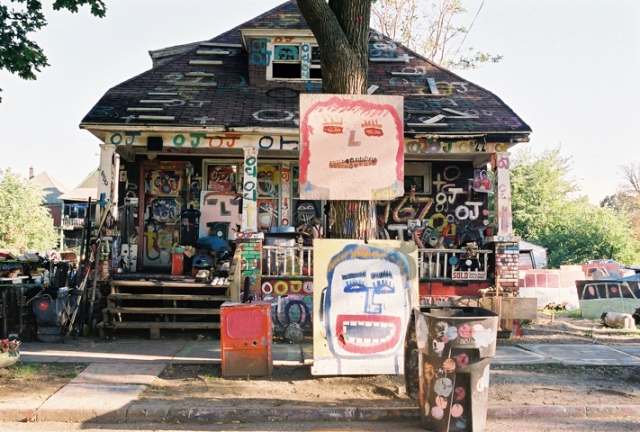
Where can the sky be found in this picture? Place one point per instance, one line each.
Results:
(570, 71)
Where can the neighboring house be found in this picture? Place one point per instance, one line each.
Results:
(75, 210)
(52, 189)
(217, 120)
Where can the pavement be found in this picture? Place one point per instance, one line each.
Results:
(108, 389)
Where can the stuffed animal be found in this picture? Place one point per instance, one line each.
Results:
(618, 320)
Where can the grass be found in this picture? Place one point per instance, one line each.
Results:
(26, 370)
(37, 371)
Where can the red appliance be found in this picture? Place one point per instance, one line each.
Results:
(246, 339)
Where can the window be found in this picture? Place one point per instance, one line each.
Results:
(417, 178)
(295, 61)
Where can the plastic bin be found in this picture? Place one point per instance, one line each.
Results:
(455, 346)
(177, 264)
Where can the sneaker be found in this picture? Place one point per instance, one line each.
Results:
(215, 281)
(202, 276)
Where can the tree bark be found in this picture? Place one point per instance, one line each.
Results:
(341, 28)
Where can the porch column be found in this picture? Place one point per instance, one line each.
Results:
(250, 191)
(506, 244)
(108, 180)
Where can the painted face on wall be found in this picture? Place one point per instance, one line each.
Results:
(366, 304)
(305, 212)
(266, 213)
(351, 148)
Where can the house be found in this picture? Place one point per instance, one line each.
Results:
(214, 126)
(52, 189)
(75, 210)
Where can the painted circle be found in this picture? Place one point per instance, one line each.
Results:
(456, 410)
(464, 331)
(460, 393)
(437, 413)
(462, 360)
(267, 288)
(449, 365)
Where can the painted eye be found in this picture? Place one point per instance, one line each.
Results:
(384, 287)
(332, 129)
(354, 286)
(373, 132)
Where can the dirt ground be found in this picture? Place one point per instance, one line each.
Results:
(551, 384)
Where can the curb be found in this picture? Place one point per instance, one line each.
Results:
(155, 413)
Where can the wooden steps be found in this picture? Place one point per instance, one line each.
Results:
(154, 327)
(163, 304)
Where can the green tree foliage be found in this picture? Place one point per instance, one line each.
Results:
(627, 197)
(25, 224)
(547, 212)
(427, 27)
(18, 53)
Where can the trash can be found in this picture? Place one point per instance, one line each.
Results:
(455, 346)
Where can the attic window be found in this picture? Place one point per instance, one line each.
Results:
(295, 61)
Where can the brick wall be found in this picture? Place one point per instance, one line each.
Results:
(507, 257)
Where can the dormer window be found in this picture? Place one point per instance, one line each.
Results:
(295, 60)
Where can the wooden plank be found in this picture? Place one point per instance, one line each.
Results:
(163, 311)
(188, 297)
(164, 284)
(154, 324)
(525, 308)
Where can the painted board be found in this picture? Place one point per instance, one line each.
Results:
(352, 147)
(220, 211)
(363, 306)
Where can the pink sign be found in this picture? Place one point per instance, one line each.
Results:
(352, 147)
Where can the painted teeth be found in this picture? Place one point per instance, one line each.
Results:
(368, 340)
(367, 324)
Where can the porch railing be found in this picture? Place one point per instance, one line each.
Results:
(434, 264)
(287, 260)
(457, 264)
(69, 222)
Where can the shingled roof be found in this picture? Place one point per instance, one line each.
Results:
(186, 89)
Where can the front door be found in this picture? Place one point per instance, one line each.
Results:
(165, 195)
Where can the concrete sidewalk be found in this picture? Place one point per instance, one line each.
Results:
(108, 389)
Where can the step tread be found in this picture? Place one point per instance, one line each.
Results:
(166, 311)
(194, 297)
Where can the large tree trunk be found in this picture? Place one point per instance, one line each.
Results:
(341, 28)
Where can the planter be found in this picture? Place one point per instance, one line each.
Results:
(7, 360)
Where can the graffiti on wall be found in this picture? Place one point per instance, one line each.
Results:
(361, 315)
(351, 147)
(453, 215)
(291, 302)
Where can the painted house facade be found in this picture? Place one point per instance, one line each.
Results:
(214, 128)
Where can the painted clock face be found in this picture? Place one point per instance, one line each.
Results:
(443, 387)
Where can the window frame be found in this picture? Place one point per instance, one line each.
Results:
(305, 73)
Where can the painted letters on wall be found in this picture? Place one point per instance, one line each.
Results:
(362, 305)
(352, 147)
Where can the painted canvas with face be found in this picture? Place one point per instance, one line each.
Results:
(352, 147)
(362, 305)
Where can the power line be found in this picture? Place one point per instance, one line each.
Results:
(470, 27)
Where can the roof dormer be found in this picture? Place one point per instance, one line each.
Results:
(286, 55)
